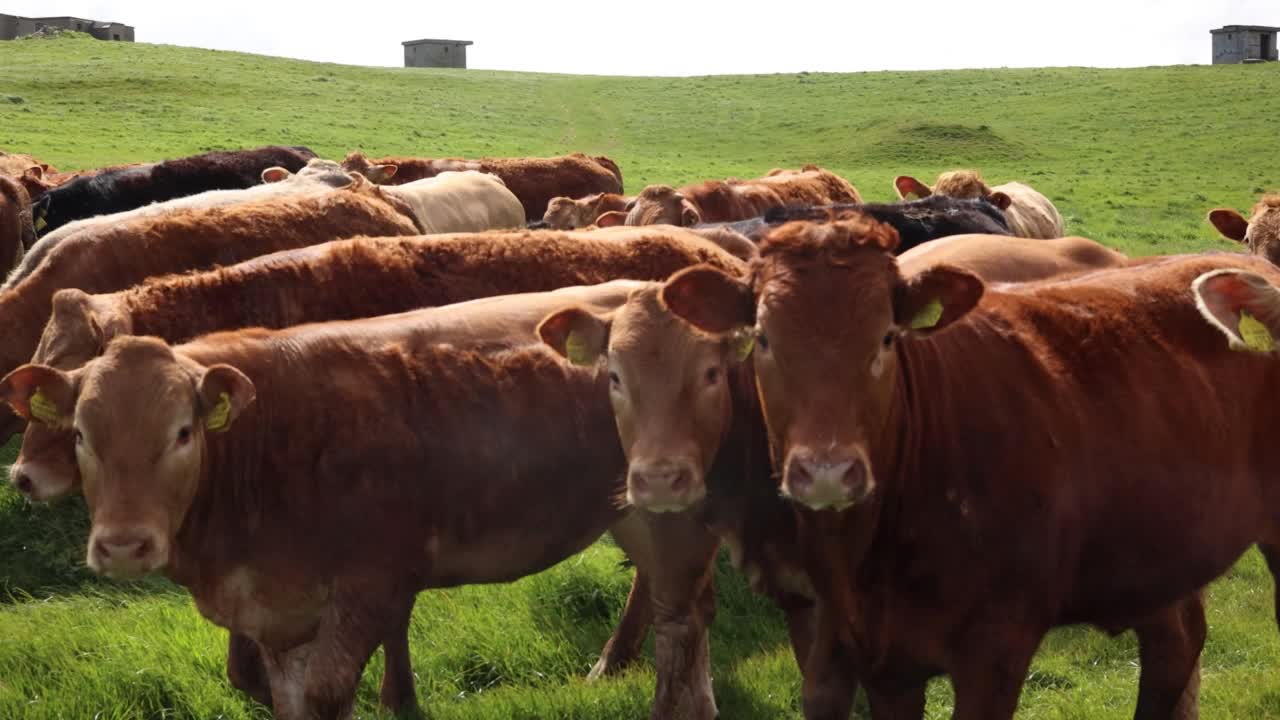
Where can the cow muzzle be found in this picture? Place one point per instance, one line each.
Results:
(38, 483)
(664, 485)
(832, 480)
(123, 553)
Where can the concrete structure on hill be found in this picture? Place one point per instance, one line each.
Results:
(1233, 44)
(13, 26)
(436, 53)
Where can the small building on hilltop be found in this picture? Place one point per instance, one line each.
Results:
(13, 27)
(436, 53)
(1234, 44)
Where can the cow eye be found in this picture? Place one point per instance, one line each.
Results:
(762, 341)
(888, 338)
(184, 435)
(614, 381)
(79, 438)
(713, 375)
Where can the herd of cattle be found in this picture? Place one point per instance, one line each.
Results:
(929, 431)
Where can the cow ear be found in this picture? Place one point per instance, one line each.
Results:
(577, 335)
(275, 174)
(1243, 305)
(80, 327)
(39, 393)
(380, 174)
(1230, 223)
(613, 218)
(1000, 200)
(224, 393)
(908, 186)
(689, 215)
(35, 172)
(40, 212)
(935, 298)
(709, 300)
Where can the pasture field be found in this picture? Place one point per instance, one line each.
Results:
(1132, 158)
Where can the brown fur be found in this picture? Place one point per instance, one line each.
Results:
(726, 201)
(17, 232)
(545, 467)
(1260, 233)
(534, 180)
(15, 165)
(565, 213)
(111, 258)
(959, 558)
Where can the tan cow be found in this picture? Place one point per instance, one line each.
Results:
(467, 201)
(565, 213)
(1261, 232)
(535, 180)
(1028, 213)
(1000, 258)
(726, 201)
(17, 230)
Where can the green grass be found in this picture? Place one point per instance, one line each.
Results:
(1133, 158)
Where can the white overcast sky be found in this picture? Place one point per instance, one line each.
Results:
(694, 37)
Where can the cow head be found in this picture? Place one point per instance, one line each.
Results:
(1261, 232)
(140, 415)
(1243, 305)
(828, 310)
(378, 174)
(964, 184)
(670, 389)
(78, 331)
(662, 205)
(565, 213)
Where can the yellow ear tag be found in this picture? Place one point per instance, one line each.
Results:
(42, 408)
(41, 223)
(928, 316)
(220, 414)
(743, 343)
(1255, 334)
(575, 348)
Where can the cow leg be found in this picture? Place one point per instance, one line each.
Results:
(245, 670)
(800, 631)
(1169, 643)
(988, 676)
(624, 646)
(318, 679)
(1271, 552)
(397, 674)
(677, 554)
(830, 682)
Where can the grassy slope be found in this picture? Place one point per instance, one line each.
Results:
(1133, 158)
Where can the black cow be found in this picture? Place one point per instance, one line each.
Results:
(917, 221)
(112, 191)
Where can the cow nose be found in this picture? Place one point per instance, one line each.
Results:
(124, 554)
(23, 482)
(827, 480)
(663, 486)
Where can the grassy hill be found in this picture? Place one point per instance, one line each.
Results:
(1133, 158)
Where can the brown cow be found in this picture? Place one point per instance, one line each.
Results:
(112, 258)
(15, 165)
(726, 201)
(961, 551)
(17, 231)
(565, 213)
(534, 180)
(1261, 232)
(1028, 213)
(392, 274)
(340, 280)
(538, 439)
(681, 399)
